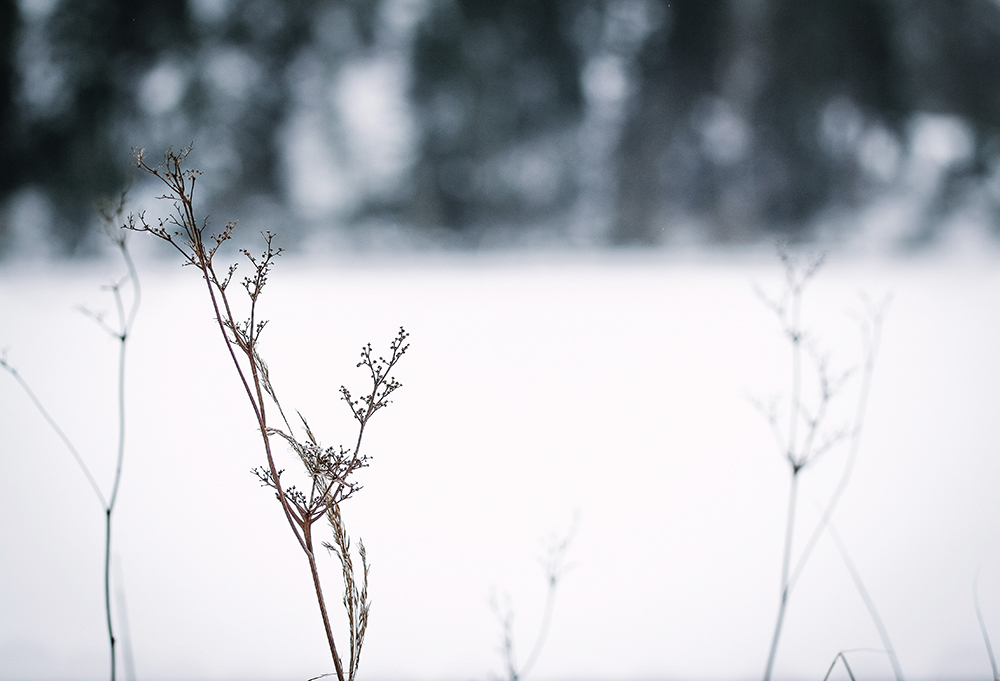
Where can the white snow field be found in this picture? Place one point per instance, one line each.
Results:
(617, 387)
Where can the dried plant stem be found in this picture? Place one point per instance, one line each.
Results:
(322, 602)
(125, 324)
(121, 334)
(555, 567)
(328, 468)
(785, 586)
(301, 525)
(802, 449)
(255, 394)
(56, 429)
(871, 339)
(797, 459)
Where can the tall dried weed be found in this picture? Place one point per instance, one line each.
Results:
(330, 470)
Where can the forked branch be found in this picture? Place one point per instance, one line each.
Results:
(120, 330)
(805, 447)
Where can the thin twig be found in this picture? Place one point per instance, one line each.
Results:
(55, 428)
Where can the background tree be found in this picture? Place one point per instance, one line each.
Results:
(660, 160)
(494, 85)
(737, 118)
(84, 69)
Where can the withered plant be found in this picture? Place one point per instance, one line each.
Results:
(330, 470)
(555, 567)
(803, 435)
(111, 214)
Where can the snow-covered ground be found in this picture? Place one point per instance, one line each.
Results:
(615, 387)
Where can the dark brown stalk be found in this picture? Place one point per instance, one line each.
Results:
(329, 469)
(257, 404)
(322, 602)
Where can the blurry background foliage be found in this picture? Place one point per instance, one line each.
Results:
(483, 122)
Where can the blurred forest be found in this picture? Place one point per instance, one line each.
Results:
(476, 122)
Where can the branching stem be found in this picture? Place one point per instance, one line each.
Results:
(120, 333)
(802, 454)
(329, 469)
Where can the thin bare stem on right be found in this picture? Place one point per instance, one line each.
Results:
(806, 438)
(555, 568)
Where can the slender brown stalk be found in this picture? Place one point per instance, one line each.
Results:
(322, 601)
(330, 469)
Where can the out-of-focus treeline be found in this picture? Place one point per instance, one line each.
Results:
(584, 121)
